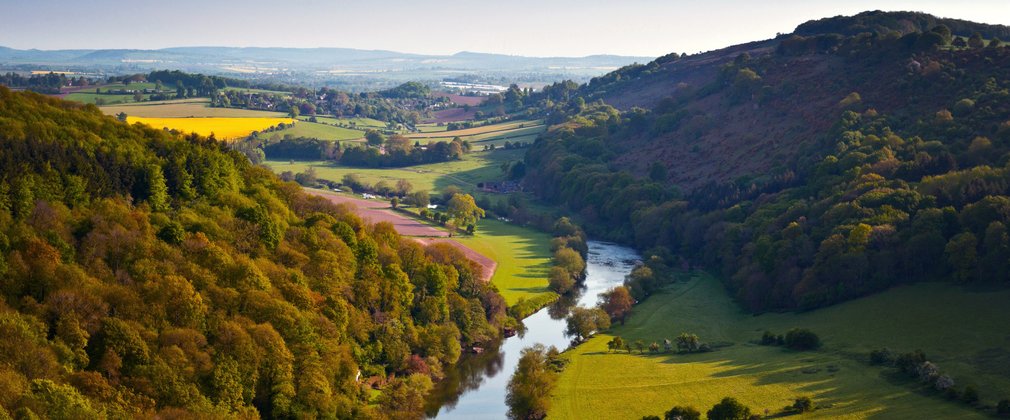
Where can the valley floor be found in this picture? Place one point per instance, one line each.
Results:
(963, 332)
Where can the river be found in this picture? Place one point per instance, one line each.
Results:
(475, 387)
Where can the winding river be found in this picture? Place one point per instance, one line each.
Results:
(475, 387)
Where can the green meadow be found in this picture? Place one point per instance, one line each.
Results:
(475, 167)
(932, 317)
(317, 131)
(523, 256)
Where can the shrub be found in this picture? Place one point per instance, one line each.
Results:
(883, 356)
(682, 412)
(803, 404)
(970, 395)
(729, 409)
(802, 339)
(767, 339)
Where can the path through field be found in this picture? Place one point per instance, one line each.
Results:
(374, 211)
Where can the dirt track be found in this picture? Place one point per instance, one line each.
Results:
(374, 211)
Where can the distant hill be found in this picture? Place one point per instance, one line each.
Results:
(223, 60)
(807, 169)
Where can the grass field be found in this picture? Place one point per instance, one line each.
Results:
(88, 95)
(318, 131)
(475, 167)
(222, 128)
(194, 107)
(359, 123)
(964, 333)
(497, 134)
(258, 91)
(523, 256)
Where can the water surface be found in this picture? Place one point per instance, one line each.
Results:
(475, 387)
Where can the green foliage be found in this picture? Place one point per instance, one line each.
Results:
(728, 409)
(681, 412)
(803, 404)
(167, 271)
(802, 339)
(530, 386)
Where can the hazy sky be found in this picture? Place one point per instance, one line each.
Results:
(523, 27)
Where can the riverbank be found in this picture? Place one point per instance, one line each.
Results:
(930, 316)
(476, 387)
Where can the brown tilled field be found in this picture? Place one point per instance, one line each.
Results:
(375, 211)
(452, 115)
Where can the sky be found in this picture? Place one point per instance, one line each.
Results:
(515, 27)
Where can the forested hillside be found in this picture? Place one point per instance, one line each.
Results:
(145, 273)
(807, 169)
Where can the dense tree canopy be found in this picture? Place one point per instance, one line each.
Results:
(144, 272)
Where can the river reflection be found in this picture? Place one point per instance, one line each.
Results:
(475, 387)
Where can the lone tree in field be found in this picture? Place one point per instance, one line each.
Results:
(464, 210)
(803, 404)
(682, 412)
(728, 409)
(530, 387)
(640, 345)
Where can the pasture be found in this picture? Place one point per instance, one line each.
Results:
(183, 108)
(222, 128)
(353, 122)
(497, 134)
(523, 256)
(931, 317)
(475, 167)
(317, 131)
(89, 94)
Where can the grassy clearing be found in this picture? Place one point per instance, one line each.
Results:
(523, 256)
(353, 123)
(524, 131)
(182, 108)
(92, 98)
(259, 91)
(88, 95)
(475, 167)
(318, 131)
(963, 332)
(222, 128)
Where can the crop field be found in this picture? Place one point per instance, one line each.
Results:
(182, 108)
(475, 167)
(931, 317)
(222, 128)
(523, 256)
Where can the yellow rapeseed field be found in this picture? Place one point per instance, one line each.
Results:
(223, 128)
